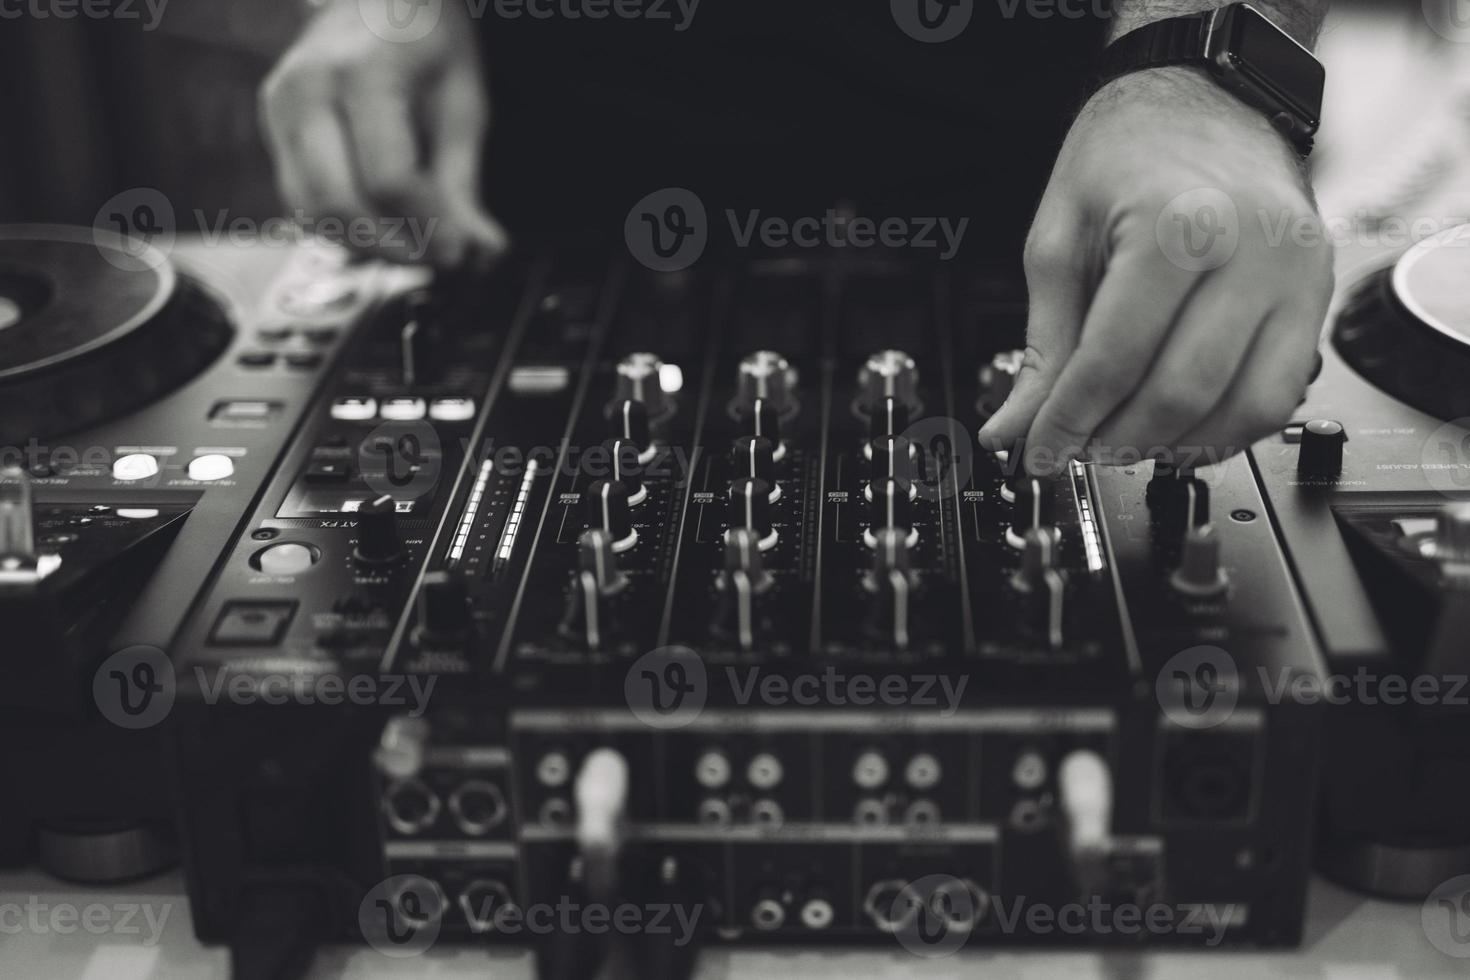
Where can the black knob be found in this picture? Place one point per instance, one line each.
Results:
(891, 507)
(624, 467)
(444, 605)
(378, 540)
(755, 456)
(890, 417)
(750, 508)
(1320, 453)
(763, 420)
(609, 510)
(893, 458)
(630, 421)
(1179, 503)
(1035, 506)
(744, 579)
(595, 555)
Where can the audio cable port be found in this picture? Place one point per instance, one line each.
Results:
(768, 915)
(410, 807)
(764, 771)
(712, 769)
(921, 813)
(478, 806)
(714, 812)
(556, 812)
(891, 905)
(870, 769)
(817, 913)
(960, 904)
(870, 813)
(767, 813)
(923, 771)
(482, 901)
(553, 770)
(417, 906)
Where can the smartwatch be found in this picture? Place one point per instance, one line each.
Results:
(1244, 52)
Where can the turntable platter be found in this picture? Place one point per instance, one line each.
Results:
(1406, 327)
(91, 328)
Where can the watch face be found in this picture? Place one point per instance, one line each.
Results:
(1276, 62)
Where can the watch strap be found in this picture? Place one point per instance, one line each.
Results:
(1175, 41)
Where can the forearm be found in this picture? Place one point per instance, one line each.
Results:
(1302, 19)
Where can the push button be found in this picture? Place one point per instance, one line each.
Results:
(211, 466)
(252, 624)
(135, 466)
(354, 409)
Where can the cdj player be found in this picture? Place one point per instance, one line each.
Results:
(419, 605)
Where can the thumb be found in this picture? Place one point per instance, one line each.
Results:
(1053, 323)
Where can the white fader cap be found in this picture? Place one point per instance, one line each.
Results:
(1087, 799)
(601, 796)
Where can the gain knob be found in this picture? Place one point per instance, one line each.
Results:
(378, 538)
(609, 509)
(1320, 453)
(743, 580)
(625, 467)
(766, 375)
(755, 457)
(888, 374)
(891, 507)
(1199, 575)
(750, 508)
(892, 580)
(893, 458)
(444, 607)
(638, 380)
(1034, 506)
(890, 417)
(597, 577)
(1041, 585)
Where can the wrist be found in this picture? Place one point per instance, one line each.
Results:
(1302, 19)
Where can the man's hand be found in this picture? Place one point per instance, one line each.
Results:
(1178, 279)
(364, 126)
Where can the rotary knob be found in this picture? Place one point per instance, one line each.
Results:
(1034, 506)
(996, 381)
(889, 417)
(638, 380)
(630, 421)
(1320, 452)
(625, 468)
(595, 556)
(1041, 585)
(378, 537)
(444, 606)
(743, 580)
(893, 582)
(755, 457)
(889, 374)
(609, 509)
(893, 458)
(750, 508)
(1199, 574)
(765, 421)
(891, 508)
(769, 376)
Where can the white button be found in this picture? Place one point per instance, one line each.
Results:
(354, 409)
(137, 513)
(211, 467)
(286, 559)
(136, 466)
(452, 409)
(403, 409)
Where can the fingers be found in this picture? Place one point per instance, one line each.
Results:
(1268, 387)
(313, 160)
(1055, 268)
(1189, 377)
(458, 121)
(1132, 313)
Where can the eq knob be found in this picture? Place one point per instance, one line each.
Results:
(892, 580)
(1041, 585)
(624, 467)
(1034, 506)
(755, 457)
(1199, 574)
(888, 374)
(1320, 452)
(891, 507)
(378, 537)
(750, 508)
(996, 381)
(444, 606)
(769, 376)
(890, 417)
(609, 509)
(764, 421)
(743, 580)
(596, 557)
(639, 381)
(597, 577)
(893, 458)
(630, 421)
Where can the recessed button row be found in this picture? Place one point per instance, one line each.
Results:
(360, 408)
(299, 360)
(205, 468)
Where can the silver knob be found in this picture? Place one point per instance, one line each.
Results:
(766, 374)
(638, 379)
(889, 374)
